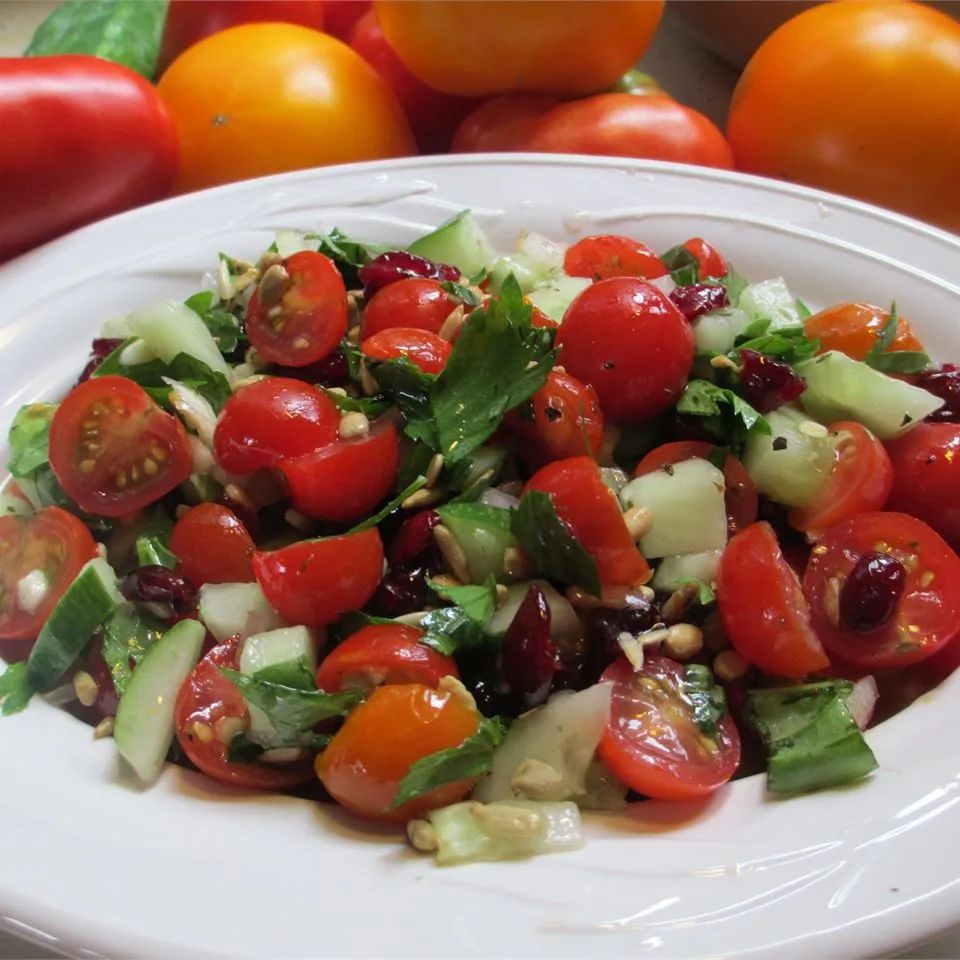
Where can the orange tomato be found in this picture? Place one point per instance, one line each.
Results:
(852, 328)
(268, 97)
(481, 47)
(861, 99)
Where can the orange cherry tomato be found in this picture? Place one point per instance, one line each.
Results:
(852, 328)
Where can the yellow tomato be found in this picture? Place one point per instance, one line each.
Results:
(268, 97)
(481, 47)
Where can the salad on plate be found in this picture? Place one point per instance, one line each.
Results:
(470, 542)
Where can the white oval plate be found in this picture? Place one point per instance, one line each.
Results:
(93, 866)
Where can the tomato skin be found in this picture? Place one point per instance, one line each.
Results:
(763, 609)
(927, 617)
(341, 16)
(845, 81)
(83, 138)
(679, 767)
(207, 697)
(520, 45)
(926, 475)
(314, 582)
(212, 545)
(501, 123)
(52, 540)
(346, 479)
(711, 261)
(607, 255)
(591, 511)
(129, 432)
(362, 769)
(189, 21)
(428, 351)
(271, 420)
(269, 97)
(383, 653)
(631, 344)
(412, 303)
(860, 482)
(852, 328)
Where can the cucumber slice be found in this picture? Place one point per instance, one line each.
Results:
(839, 388)
(792, 463)
(231, 609)
(459, 241)
(170, 327)
(554, 296)
(536, 261)
(716, 332)
(484, 534)
(673, 571)
(85, 604)
(687, 504)
(144, 725)
(770, 300)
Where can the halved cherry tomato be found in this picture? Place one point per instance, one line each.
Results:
(272, 420)
(212, 545)
(740, 493)
(859, 483)
(428, 351)
(383, 653)
(927, 615)
(710, 260)
(591, 511)
(315, 582)
(852, 328)
(653, 742)
(206, 698)
(413, 303)
(372, 752)
(52, 541)
(345, 480)
(113, 449)
(562, 419)
(762, 606)
(304, 320)
(631, 344)
(610, 255)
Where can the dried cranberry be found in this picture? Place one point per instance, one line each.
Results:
(766, 383)
(401, 591)
(413, 539)
(399, 265)
(156, 584)
(696, 299)
(871, 592)
(100, 349)
(604, 625)
(529, 656)
(331, 371)
(943, 382)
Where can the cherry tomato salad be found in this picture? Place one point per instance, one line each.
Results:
(469, 542)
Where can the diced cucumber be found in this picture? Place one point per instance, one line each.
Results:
(839, 388)
(232, 609)
(673, 571)
(484, 459)
(289, 242)
(536, 261)
(459, 241)
(144, 725)
(85, 604)
(170, 327)
(13, 504)
(792, 463)
(566, 628)
(770, 300)
(484, 535)
(687, 505)
(716, 332)
(554, 296)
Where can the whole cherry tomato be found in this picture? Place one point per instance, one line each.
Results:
(212, 545)
(413, 303)
(341, 16)
(852, 328)
(501, 123)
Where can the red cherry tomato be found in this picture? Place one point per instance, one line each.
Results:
(927, 615)
(383, 653)
(345, 480)
(860, 482)
(501, 123)
(653, 742)
(113, 449)
(212, 545)
(272, 420)
(52, 541)
(763, 609)
(740, 494)
(610, 255)
(428, 351)
(308, 320)
(711, 262)
(926, 477)
(315, 582)
(631, 344)
(412, 303)
(591, 511)
(206, 699)
(341, 16)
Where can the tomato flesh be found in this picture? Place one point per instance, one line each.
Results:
(212, 545)
(421, 347)
(610, 255)
(413, 303)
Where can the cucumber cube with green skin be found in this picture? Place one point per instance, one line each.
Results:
(231, 609)
(554, 295)
(483, 534)
(460, 242)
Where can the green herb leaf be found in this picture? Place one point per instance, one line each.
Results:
(29, 438)
(373, 407)
(735, 283)
(292, 673)
(788, 344)
(409, 388)
(803, 311)
(477, 602)
(471, 759)
(127, 635)
(705, 593)
(15, 689)
(726, 415)
(450, 629)
(707, 698)
(550, 544)
(153, 542)
(465, 294)
(684, 267)
(900, 361)
(349, 255)
(224, 327)
(394, 504)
